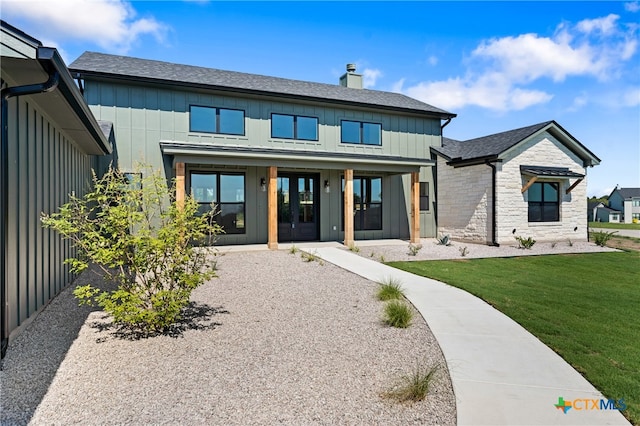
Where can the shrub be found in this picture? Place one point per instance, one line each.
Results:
(444, 240)
(397, 314)
(389, 289)
(525, 243)
(464, 251)
(311, 257)
(293, 249)
(602, 237)
(142, 240)
(414, 386)
(414, 249)
(354, 248)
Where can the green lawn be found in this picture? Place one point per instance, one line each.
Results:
(610, 225)
(586, 307)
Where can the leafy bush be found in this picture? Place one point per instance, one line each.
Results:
(389, 289)
(397, 314)
(444, 240)
(602, 237)
(144, 241)
(525, 243)
(414, 249)
(414, 387)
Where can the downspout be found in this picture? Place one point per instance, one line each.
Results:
(9, 92)
(493, 203)
(445, 124)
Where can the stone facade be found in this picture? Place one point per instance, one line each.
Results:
(464, 202)
(465, 205)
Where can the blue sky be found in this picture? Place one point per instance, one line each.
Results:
(498, 65)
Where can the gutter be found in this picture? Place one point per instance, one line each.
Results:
(493, 203)
(6, 94)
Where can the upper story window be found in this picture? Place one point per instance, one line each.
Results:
(216, 120)
(361, 133)
(294, 127)
(544, 202)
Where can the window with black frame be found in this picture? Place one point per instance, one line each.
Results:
(362, 133)
(367, 203)
(424, 196)
(294, 127)
(225, 192)
(216, 120)
(544, 202)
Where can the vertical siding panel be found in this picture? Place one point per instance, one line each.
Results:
(23, 290)
(13, 291)
(46, 194)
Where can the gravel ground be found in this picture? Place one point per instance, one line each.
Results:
(276, 340)
(431, 250)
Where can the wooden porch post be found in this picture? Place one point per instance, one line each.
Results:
(180, 185)
(272, 208)
(348, 207)
(415, 207)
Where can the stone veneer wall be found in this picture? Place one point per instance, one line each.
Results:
(464, 202)
(542, 151)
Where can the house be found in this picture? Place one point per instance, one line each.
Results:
(528, 182)
(598, 212)
(283, 160)
(49, 144)
(626, 200)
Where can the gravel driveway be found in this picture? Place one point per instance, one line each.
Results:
(277, 340)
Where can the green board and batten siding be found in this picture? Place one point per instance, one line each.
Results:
(145, 115)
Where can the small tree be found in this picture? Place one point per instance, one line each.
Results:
(143, 240)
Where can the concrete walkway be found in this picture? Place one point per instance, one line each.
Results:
(501, 374)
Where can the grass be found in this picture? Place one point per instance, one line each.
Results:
(611, 225)
(354, 248)
(584, 306)
(390, 289)
(414, 386)
(397, 314)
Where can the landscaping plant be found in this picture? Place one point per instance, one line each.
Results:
(143, 240)
(525, 243)
(414, 249)
(389, 289)
(602, 237)
(397, 314)
(444, 240)
(414, 386)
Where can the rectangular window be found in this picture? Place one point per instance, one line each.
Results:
(544, 202)
(360, 133)
(424, 196)
(216, 120)
(635, 216)
(635, 203)
(294, 127)
(225, 192)
(367, 203)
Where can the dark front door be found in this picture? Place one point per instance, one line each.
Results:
(297, 207)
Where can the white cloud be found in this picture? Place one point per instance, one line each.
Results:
(370, 76)
(631, 97)
(633, 6)
(501, 71)
(605, 25)
(111, 24)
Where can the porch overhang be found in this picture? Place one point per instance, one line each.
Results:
(535, 173)
(184, 152)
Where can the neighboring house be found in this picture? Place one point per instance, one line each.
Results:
(283, 160)
(626, 200)
(528, 182)
(49, 144)
(598, 212)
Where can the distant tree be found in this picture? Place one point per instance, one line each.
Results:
(144, 241)
(604, 200)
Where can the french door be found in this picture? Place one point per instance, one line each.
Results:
(298, 207)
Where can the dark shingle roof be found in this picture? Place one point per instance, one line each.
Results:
(475, 151)
(100, 64)
(486, 146)
(629, 192)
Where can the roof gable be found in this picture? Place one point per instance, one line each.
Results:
(627, 193)
(491, 147)
(124, 67)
